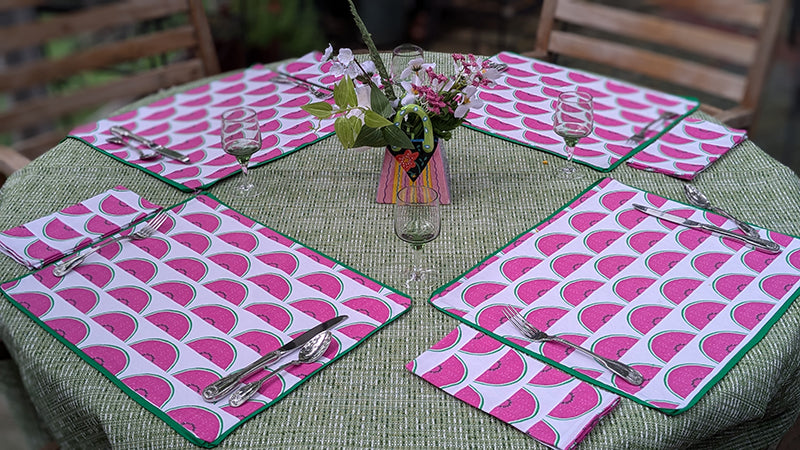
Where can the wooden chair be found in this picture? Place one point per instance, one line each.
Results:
(58, 66)
(720, 49)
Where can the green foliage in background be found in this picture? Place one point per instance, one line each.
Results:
(292, 25)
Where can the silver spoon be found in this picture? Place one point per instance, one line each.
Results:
(309, 352)
(145, 153)
(698, 199)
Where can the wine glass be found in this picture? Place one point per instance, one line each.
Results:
(401, 56)
(241, 137)
(573, 119)
(417, 220)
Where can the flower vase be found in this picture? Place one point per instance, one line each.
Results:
(397, 171)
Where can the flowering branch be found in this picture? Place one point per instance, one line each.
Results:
(373, 52)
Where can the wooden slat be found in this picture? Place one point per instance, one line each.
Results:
(546, 19)
(11, 161)
(769, 35)
(700, 40)
(206, 49)
(685, 73)
(33, 147)
(745, 13)
(105, 55)
(98, 18)
(42, 109)
(9, 5)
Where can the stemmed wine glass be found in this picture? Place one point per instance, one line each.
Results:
(573, 119)
(241, 137)
(417, 220)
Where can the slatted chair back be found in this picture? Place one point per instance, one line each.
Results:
(58, 66)
(719, 48)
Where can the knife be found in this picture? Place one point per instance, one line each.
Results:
(222, 387)
(759, 243)
(122, 132)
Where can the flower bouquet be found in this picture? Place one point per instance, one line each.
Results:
(409, 117)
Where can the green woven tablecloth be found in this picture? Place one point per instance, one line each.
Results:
(324, 196)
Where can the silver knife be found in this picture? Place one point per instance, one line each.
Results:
(225, 385)
(759, 243)
(122, 132)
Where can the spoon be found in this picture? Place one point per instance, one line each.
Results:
(309, 352)
(698, 199)
(143, 153)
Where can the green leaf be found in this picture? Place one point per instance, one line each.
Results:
(370, 137)
(344, 93)
(323, 110)
(347, 128)
(379, 103)
(394, 136)
(375, 120)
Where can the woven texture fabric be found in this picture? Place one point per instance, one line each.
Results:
(324, 196)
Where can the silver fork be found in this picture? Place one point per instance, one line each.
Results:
(316, 92)
(625, 371)
(642, 134)
(63, 267)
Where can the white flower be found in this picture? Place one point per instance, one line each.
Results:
(328, 52)
(345, 56)
(410, 94)
(415, 66)
(470, 101)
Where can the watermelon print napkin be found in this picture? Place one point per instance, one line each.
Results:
(680, 305)
(207, 294)
(189, 122)
(687, 149)
(545, 403)
(47, 239)
(521, 104)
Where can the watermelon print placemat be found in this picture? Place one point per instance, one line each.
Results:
(209, 293)
(688, 149)
(543, 402)
(520, 108)
(47, 239)
(189, 122)
(680, 305)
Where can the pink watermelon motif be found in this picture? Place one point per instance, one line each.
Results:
(59, 231)
(676, 153)
(181, 293)
(260, 341)
(514, 268)
(470, 396)
(155, 389)
(192, 268)
(159, 352)
(319, 309)
(372, 307)
(595, 316)
(324, 282)
(575, 292)
(663, 261)
(284, 261)
(83, 299)
(702, 313)
(202, 422)
(357, 330)
(684, 379)
(98, 274)
(599, 240)
(121, 325)
(519, 84)
(274, 284)
(708, 263)
(497, 112)
(667, 344)
(236, 263)
(543, 318)
(550, 376)
(155, 246)
(522, 405)
(450, 372)
(242, 240)
(196, 379)
(678, 289)
(531, 110)
(174, 323)
(529, 291)
(729, 286)
(543, 432)
(206, 221)
(750, 314)
(276, 316)
(614, 346)
(40, 250)
(218, 316)
(566, 264)
(552, 243)
(36, 303)
(779, 285)
(231, 290)
(702, 134)
(613, 200)
(630, 218)
(644, 318)
(316, 257)
(718, 346)
(19, 231)
(630, 288)
(481, 344)
(540, 139)
(143, 269)
(609, 266)
(218, 351)
(73, 330)
(112, 359)
(581, 400)
(478, 293)
(197, 242)
(452, 339)
(758, 261)
(642, 241)
(691, 238)
(582, 221)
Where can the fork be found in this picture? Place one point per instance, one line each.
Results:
(149, 228)
(625, 371)
(315, 91)
(642, 134)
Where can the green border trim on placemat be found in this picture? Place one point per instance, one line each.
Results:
(723, 370)
(172, 423)
(207, 185)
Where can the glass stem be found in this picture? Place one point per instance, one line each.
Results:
(570, 152)
(416, 258)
